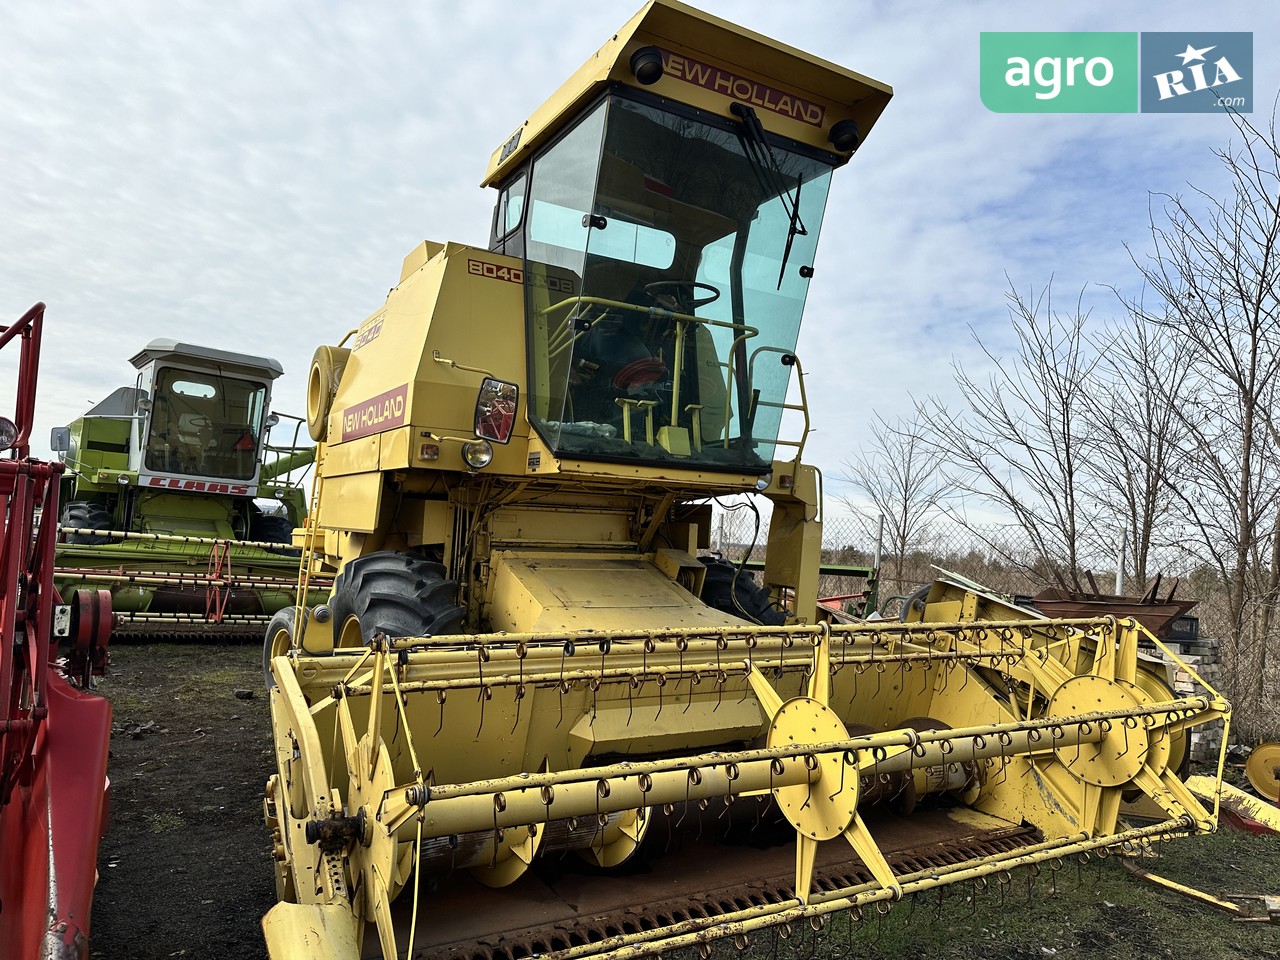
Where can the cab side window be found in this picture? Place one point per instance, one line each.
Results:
(507, 217)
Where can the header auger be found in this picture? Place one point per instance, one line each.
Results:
(531, 720)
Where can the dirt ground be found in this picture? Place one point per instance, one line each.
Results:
(185, 868)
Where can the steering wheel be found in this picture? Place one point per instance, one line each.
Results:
(640, 373)
(673, 300)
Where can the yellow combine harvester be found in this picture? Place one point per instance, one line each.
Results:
(531, 720)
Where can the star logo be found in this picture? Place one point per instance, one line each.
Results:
(1191, 53)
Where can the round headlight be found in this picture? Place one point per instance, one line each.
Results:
(477, 453)
(8, 433)
(123, 479)
(763, 482)
(646, 65)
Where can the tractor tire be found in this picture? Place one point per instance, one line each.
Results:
(735, 591)
(395, 593)
(89, 516)
(279, 640)
(271, 529)
(914, 603)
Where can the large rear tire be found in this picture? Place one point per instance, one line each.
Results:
(733, 590)
(269, 528)
(395, 593)
(279, 641)
(89, 516)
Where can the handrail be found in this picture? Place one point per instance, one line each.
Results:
(747, 332)
(802, 406)
(657, 312)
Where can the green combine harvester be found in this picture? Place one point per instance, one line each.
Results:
(176, 500)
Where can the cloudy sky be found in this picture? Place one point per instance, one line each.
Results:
(249, 174)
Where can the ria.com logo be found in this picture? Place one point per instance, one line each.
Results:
(1116, 72)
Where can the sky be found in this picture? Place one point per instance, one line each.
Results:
(249, 175)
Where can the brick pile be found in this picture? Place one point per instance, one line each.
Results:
(1201, 655)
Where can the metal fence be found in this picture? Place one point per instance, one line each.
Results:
(997, 557)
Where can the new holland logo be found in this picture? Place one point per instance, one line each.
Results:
(1197, 72)
(386, 411)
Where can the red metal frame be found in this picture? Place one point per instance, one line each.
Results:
(53, 736)
(29, 328)
(217, 591)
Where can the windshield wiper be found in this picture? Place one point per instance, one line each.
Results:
(772, 179)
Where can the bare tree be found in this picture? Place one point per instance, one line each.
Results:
(1216, 267)
(898, 475)
(1024, 445)
(1141, 383)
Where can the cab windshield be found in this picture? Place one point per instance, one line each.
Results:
(665, 288)
(204, 425)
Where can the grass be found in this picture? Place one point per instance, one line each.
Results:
(1085, 911)
(166, 821)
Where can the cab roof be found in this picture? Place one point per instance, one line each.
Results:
(174, 350)
(708, 63)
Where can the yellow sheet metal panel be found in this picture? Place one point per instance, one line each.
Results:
(310, 931)
(1236, 800)
(535, 592)
(641, 728)
(667, 473)
(570, 526)
(682, 567)
(794, 547)
(709, 63)
(417, 364)
(352, 503)
(417, 258)
(394, 449)
(357, 456)
(426, 522)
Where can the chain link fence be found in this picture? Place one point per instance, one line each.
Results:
(1000, 559)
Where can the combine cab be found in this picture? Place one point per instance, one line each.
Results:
(175, 499)
(530, 720)
(54, 734)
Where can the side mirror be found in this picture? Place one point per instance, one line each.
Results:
(60, 439)
(496, 410)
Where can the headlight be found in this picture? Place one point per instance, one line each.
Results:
(478, 454)
(123, 479)
(763, 482)
(8, 433)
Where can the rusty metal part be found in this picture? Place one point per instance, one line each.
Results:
(1237, 809)
(665, 893)
(90, 631)
(1270, 904)
(334, 833)
(664, 908)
